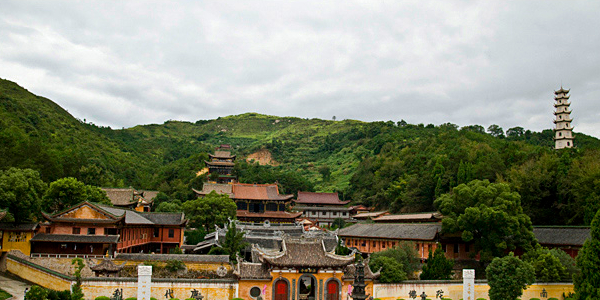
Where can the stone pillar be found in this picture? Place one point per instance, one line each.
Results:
(468, 284)
(144, 282)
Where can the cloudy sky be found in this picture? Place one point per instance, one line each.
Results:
(123, 63)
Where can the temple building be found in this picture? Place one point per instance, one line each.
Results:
(16, 236)
(255, 202)
(563, 132)
(322, 208)
(220, 166)
(97, 230)
(301, 270)
(131, 198)
(426, 217)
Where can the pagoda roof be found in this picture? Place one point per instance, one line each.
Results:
(222, 154)
(370, 215)
(129, 196)
(561, 104)
(563, 120)
(303, 252)
(561, 91)
(563, 112)
(319, 198)
(219, 163)
(562, 97)
(564, 138)
(268, 215)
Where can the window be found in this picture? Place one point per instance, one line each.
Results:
(171, 233)
(374, 243)
(334, 213)
(255, 292)
(444, 247)
(47, 229)
(76, 230)
(324, 213)
(313, 213)
(110, 231)
(393, 244)
(467, 248)
(455, 248)
(344, 214)
(91, 231)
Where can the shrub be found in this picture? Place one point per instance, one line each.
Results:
(60, 295)
(102, 298)
(131, 298)
(36, 292)
(190, 299)
(4, 294)
(237, 299)
(152, 298)
(175, 265)
(534, 299)
(552, 298)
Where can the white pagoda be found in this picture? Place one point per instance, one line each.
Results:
(563, 132)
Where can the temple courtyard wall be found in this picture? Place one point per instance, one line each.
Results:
(226, 289)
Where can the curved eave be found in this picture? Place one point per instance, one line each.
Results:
(562, 112)
(222, 157)
(565, 120)
(562, 97)
(562, 91)
(563, 138)
(562, 104)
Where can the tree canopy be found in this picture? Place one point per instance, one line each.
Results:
(489, 215)
(404, 254)
(21, 191)
(438, 267)
(66, 192)
(233, 243)
(210, 210)
(508, 276)
(587, 283)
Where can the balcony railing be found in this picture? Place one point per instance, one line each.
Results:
(52, 255)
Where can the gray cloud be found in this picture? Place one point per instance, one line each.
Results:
(139, 62)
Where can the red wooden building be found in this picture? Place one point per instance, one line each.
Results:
(93, 229)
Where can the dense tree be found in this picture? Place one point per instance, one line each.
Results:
(194, 236)
(173, 206)
(406, 256)
(391, 270)
(515, 132)
(587, 283)
(548, 268)
(66, 192)
(210, 210)
(568, 262)
(438, 267)
(508, 276)
(20, 193)
(495, 130)
(489, 215)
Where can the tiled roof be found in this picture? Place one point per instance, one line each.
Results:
(79, 238)
(304, 252)
(150, 195)
(317, 208)
(219, 188)
(106, 265)
(319, 198)
(267, 214)
(122, 197)
(257, 271)
(369, 215)
(568, 236)
(220, 163)
(222, 154)
(131, 217)
(159, 218)
(423, 232)
(258, 192)
(18, 227)
(181, 257)
(432, 216)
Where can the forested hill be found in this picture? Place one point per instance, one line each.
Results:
(389, 165)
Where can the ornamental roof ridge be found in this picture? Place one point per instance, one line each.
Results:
(561, 91)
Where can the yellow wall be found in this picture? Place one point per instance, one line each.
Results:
(454, 290)
(181, 290)
(267, 286)
(37, 276)
(23, 245)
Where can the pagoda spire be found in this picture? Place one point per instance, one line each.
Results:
(563, 130)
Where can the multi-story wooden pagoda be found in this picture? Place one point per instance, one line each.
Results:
(563, 132)
(220, 166)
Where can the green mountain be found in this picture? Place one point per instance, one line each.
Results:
(397, 166)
